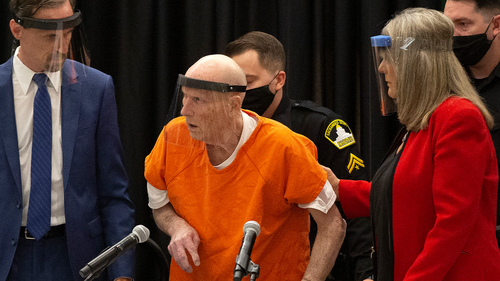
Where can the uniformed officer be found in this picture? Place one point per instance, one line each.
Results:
(262, 58)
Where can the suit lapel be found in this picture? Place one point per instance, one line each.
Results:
(8, 129)
(70, 113)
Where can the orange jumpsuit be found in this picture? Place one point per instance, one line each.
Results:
(274, 171)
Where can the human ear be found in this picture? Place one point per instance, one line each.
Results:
(235, 102)
(16, 29)
(496, 25)
(280, 80)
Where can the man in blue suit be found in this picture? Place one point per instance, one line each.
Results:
(51, 237)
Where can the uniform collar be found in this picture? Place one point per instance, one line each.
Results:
(283, 113)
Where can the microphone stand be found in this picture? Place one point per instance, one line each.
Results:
(253, 269)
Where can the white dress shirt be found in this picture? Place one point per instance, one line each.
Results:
(24, 95)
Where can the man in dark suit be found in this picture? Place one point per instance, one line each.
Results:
(50, 233)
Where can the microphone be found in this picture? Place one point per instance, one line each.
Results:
(139, 234)
(244, 265)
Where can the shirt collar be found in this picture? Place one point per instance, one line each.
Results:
(25, 75)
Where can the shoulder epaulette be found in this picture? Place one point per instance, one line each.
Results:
(315, 107)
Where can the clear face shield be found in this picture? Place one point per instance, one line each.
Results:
(384, 69)
(209, 109)
(48, 43)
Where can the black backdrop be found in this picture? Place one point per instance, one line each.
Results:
(144, 44)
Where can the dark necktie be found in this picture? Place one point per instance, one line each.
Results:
(41, 161)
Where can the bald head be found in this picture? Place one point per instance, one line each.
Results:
(215, 117)
(217, 68)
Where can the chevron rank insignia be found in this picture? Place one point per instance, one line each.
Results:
(339, 134)
(355, 163)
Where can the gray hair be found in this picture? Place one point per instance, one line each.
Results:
(427, 71)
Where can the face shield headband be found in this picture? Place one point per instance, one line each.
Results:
(183, 81)
(388, 53)
(208, 85)
(51, 24)
(207, 109)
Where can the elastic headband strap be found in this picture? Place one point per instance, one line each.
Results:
(209, 85)
(51, 24)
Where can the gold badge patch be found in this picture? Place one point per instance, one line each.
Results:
(355, 163)
(339, 134)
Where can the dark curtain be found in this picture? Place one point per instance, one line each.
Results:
(144, 44)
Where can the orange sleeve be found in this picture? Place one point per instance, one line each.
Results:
(154, 168)
(306, 178)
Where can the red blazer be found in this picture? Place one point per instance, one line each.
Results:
(444, 199)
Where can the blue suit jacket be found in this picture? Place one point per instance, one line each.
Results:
(98, 210)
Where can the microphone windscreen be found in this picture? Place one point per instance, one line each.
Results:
(141, 232)
(252, 225)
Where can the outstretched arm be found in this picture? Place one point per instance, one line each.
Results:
(183, 237)
(331, 233)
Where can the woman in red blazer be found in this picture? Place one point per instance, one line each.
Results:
(433, 200)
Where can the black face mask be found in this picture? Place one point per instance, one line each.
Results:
(259, 99)
(469, 50)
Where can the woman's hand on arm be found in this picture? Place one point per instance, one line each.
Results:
(332, 178)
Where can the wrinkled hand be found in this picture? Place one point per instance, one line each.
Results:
(332, 178)
(185, 240)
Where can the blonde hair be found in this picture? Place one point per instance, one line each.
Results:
(427, 71)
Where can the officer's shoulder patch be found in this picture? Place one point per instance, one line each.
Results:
(339, 134)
